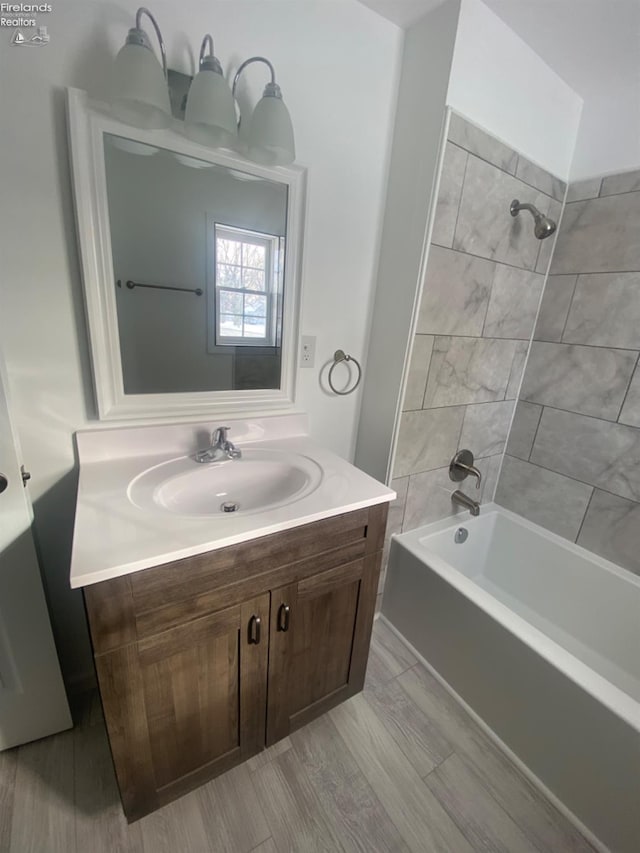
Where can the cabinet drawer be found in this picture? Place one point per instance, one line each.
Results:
(149, 622)
(144, 603)
(206, 572)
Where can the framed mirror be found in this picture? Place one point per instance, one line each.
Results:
(191, 266)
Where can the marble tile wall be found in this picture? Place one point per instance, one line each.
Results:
(484, 280)
(572, 461)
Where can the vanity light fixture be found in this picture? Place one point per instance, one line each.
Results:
(140, 96)
(269, 137)
(210, 116)
(139, 91)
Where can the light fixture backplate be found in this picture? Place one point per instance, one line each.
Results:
(179, 84)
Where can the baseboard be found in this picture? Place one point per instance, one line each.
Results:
(502, 746)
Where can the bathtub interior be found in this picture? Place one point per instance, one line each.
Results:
(588, 606)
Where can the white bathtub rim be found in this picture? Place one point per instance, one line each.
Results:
(494, 508)
(612, 697)
(497, 740)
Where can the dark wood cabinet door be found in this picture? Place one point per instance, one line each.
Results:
(183, 661)
(319, 638)
(202, 690)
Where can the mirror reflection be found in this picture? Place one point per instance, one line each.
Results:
(198, 257)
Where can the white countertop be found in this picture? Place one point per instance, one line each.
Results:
(113, 537)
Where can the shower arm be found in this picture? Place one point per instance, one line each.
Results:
(517, 206)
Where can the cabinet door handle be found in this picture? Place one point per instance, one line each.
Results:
(254, 630)
(283, 617)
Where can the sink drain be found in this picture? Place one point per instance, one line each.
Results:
(229, 506)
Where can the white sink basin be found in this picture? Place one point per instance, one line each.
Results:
(259, 481)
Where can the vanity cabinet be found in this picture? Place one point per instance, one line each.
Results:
(203, 662)
(313, 638)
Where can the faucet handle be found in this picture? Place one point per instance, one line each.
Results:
(462, 466)
(220, 435)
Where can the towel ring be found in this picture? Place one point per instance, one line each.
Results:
(338, 357)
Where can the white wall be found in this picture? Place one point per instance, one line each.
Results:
(609, 134)
(503, 86)
(416, 150)
(593, 46)
(336, 62)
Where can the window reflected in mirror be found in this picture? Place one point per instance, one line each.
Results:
(247, 285)
(198, 259)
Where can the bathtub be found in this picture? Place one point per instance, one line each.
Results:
(540, 640)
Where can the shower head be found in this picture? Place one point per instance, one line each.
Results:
(543, 226)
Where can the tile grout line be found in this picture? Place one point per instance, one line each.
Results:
(462, 420)
(595, 272)
(486, 313)
(572, 412)
(531, 340)
(473, 771)
(440, 763)
(404, 512)
(420, 666)
(623, 192)
(470, 403)
(363, 771)
(270, 838)
(535, 435)
(574, 480)
(593, 491)
(626, 393)
(480, 337)
(615, 195)
(470, 769)
(517, 399)
(491, 260)
(445, 466)
(585, 181)
(586, 346)
(258, 800)
(511, 373)
(539, 252)
(599, 196)
(513, 175)
(566, 319)
(464, 178)
(426, 381)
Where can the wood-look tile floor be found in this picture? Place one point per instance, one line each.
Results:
(400, 767)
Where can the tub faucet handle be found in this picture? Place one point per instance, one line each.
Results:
(462, 466)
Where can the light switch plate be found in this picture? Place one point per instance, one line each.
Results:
(307, 351)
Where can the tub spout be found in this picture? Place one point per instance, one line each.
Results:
(465, 501)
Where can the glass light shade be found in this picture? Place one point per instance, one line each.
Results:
(210, 117)
(139, 93)
(192, 162)
(270, 134)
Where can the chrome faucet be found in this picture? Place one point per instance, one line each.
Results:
(221, 448)
(465, 501)
(461, 467)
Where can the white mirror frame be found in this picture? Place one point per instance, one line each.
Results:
(88, 122)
